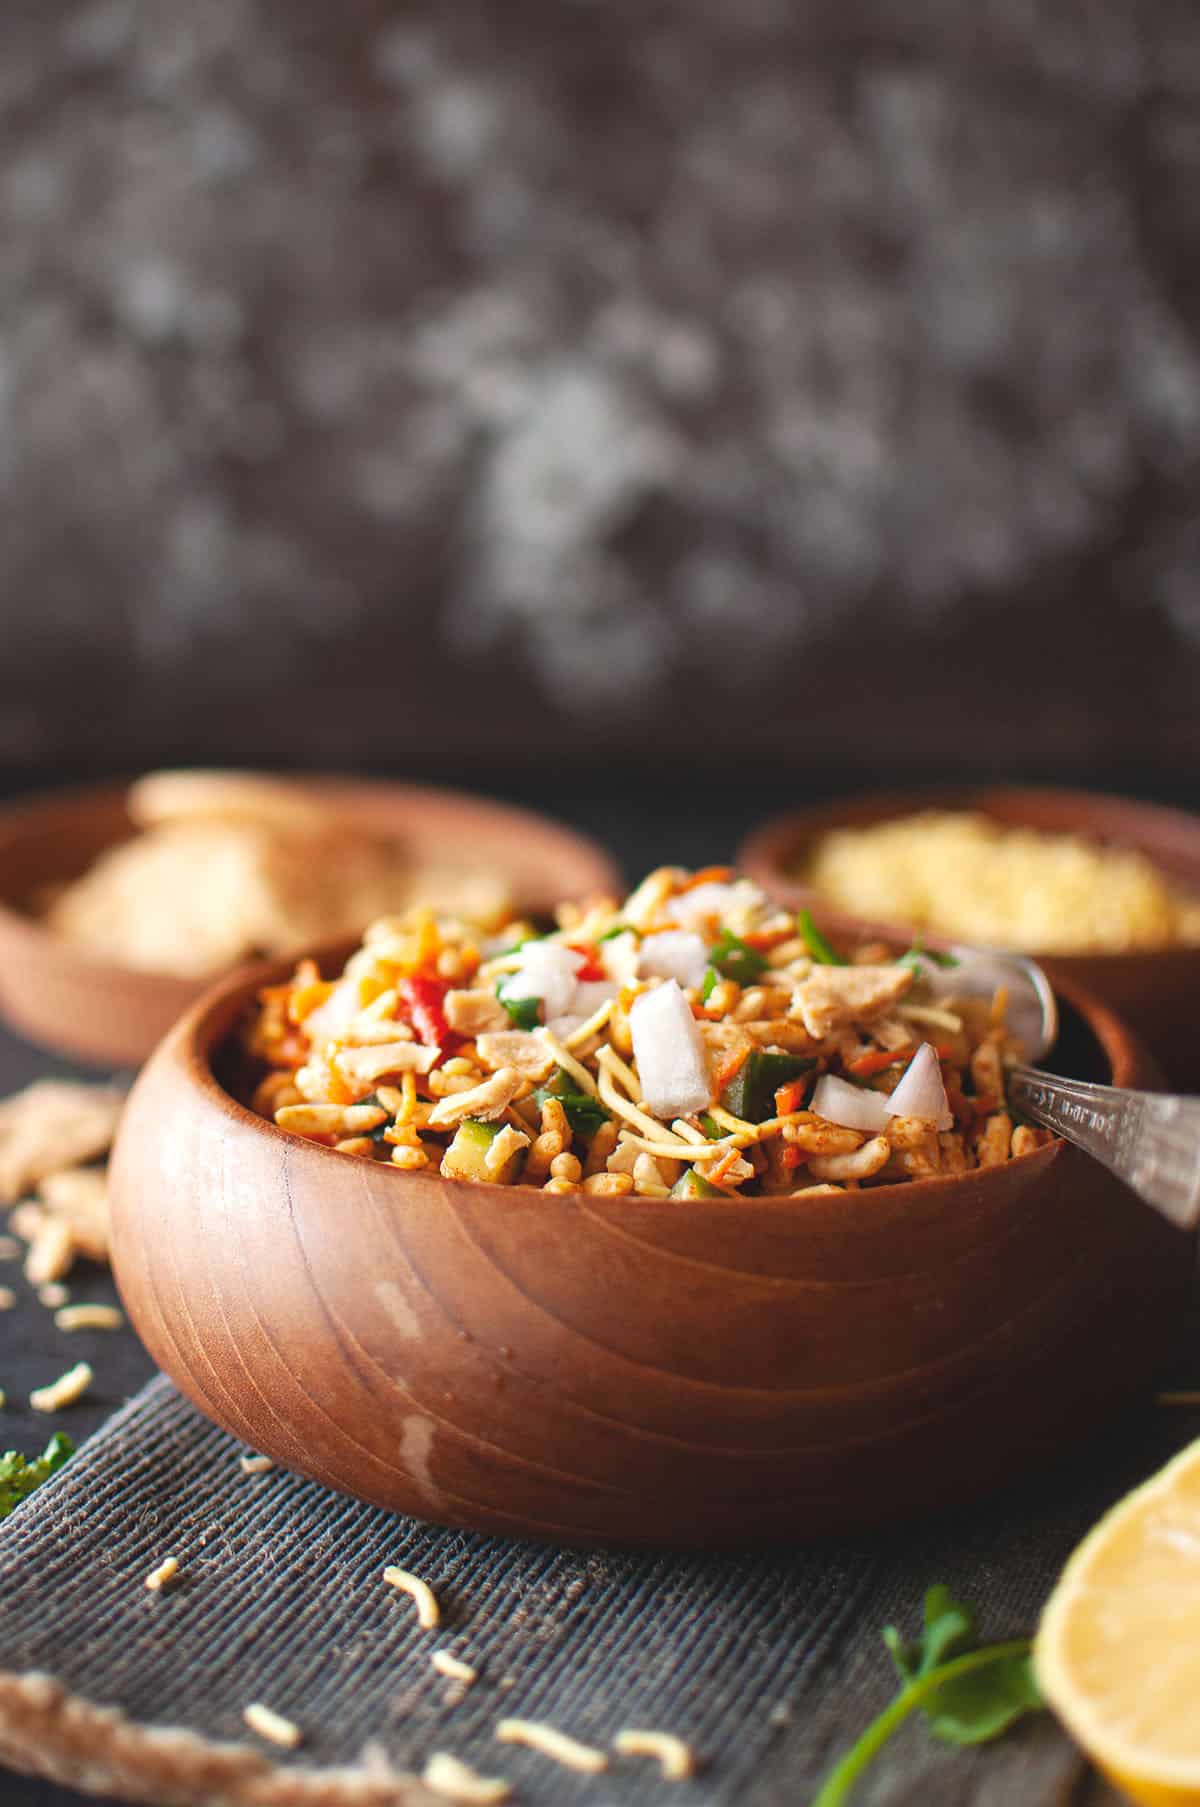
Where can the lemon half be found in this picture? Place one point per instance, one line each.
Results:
(1117, 1653)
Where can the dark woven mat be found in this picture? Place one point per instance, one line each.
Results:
(766, 1663)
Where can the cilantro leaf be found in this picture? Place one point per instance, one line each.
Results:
(22, 1475)
(949, 1629)
(968, 1694)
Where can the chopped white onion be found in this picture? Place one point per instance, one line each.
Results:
(713, 899)
(619, 957)
(921, 1092)
(674, 954)
(669, 1051)
(547, 971)
(850, 1105)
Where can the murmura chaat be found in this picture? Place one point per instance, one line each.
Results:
(694, 1040)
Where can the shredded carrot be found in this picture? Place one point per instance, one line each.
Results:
(307, 998)
(720, 1168)
(707, 875)
(788, 1097)
(879, 1059)
(732, 1063)
(335, 1089)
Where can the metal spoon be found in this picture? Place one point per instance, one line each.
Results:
(1150, 1140)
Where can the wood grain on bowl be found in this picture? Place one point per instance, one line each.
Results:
(1153, 990)
(583, 1369)
(65, 996)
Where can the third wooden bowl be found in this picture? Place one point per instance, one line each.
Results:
(631, 1370)
(1152, 989)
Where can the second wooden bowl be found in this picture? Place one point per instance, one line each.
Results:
(629, 1370)
(67, 997)
(1153, 989)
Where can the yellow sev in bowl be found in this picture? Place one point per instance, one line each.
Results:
(961, 873)
(693, 1040)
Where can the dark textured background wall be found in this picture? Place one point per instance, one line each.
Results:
(462, 380)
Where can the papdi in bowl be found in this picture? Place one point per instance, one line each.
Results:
(694, 1040)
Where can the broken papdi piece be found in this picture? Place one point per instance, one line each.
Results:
(51, 1125)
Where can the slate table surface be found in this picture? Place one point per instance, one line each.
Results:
(1015, 1544)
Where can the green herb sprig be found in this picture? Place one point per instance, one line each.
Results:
(969, 1693)
(819, 949)
(22, 1475)
(735, 959)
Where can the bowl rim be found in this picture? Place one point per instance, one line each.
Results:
(23, 814)
(764, 852)
(211, 1019)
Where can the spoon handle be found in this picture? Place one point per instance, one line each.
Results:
(1149, 1139)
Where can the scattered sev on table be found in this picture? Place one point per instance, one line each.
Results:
(676, 1758)
(65, 1391)
(272, 1726)
(255, 1464)
(453, 1668)
(8, 1298)
(88, 1317)
(552, 1743)
(420, 1592)
(449, 1776)
(165, 1573)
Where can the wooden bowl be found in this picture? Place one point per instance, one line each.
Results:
(1153, 991)
(65, 997)
(630, 1370)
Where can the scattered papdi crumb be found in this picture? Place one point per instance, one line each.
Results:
(420, 1592)
(552, 1743)
(272, 1726)
(8, 1298)
(51, 1254)
(166, 1571)
(449, 1665)
(676, 1758)
(89, 1317)
(447, 1776)
(53, 1295)
(64, 1391)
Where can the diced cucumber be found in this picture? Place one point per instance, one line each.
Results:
(465, 1157)
(694, 1185)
